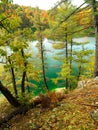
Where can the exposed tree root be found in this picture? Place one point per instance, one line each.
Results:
(11, 99)
(20, 110)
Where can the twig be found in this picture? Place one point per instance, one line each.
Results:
(89, 105)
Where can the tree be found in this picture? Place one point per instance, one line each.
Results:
(64, 34)
(70, 23)
(94, 6)
(40, 23)
(13, 76)
(82, 56)
(16, 40)
(12, 100)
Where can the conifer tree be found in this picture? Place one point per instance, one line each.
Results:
(62, 35)
(72, 26)
(39, 24)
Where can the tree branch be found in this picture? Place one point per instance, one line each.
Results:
(58, 4)
(20, 110)
(1, 24)
(89, 105)
(11, 99)
(66, 18)
(5, 18)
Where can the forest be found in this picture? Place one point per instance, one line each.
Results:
(40, 79)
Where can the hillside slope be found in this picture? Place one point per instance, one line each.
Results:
(74, 112)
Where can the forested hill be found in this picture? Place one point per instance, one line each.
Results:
(23, 17)
(19, 17)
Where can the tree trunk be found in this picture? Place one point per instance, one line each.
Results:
(43, 66)
(71, 51)
(13, 78)
(67, 83)
(94, 6)
(20, 110)
(66, 51)
(39, 26)
(79, 72)
(24, 73)
(11, 99)
(28, 87)
(23, 82)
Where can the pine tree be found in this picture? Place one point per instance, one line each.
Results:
(39, 24)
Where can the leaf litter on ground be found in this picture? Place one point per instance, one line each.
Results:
(72, 113)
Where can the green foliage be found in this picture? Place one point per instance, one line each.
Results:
(6, 1)
(25, 98)
(2, 52)
(17, 42)
(20, 25)
(90, 67)
(58, 45)
(65, 70)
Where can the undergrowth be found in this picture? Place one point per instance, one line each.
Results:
(57, 113)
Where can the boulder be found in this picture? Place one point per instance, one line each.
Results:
(94, 115)
(93, 82)
(60, 90)
(81, 84)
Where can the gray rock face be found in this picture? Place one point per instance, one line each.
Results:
(96, 79)
(81, 84)
(94, 115)
(93, 82)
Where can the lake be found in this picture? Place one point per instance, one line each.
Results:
(52, 65)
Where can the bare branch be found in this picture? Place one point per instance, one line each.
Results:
(58, 4)
(66, 18)
(89, 105)
(72, 13)
(78, 30)
(5, 18)
(1, 24)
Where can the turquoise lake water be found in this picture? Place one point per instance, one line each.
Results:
(52, 65)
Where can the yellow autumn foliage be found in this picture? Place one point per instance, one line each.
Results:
(58, 45)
